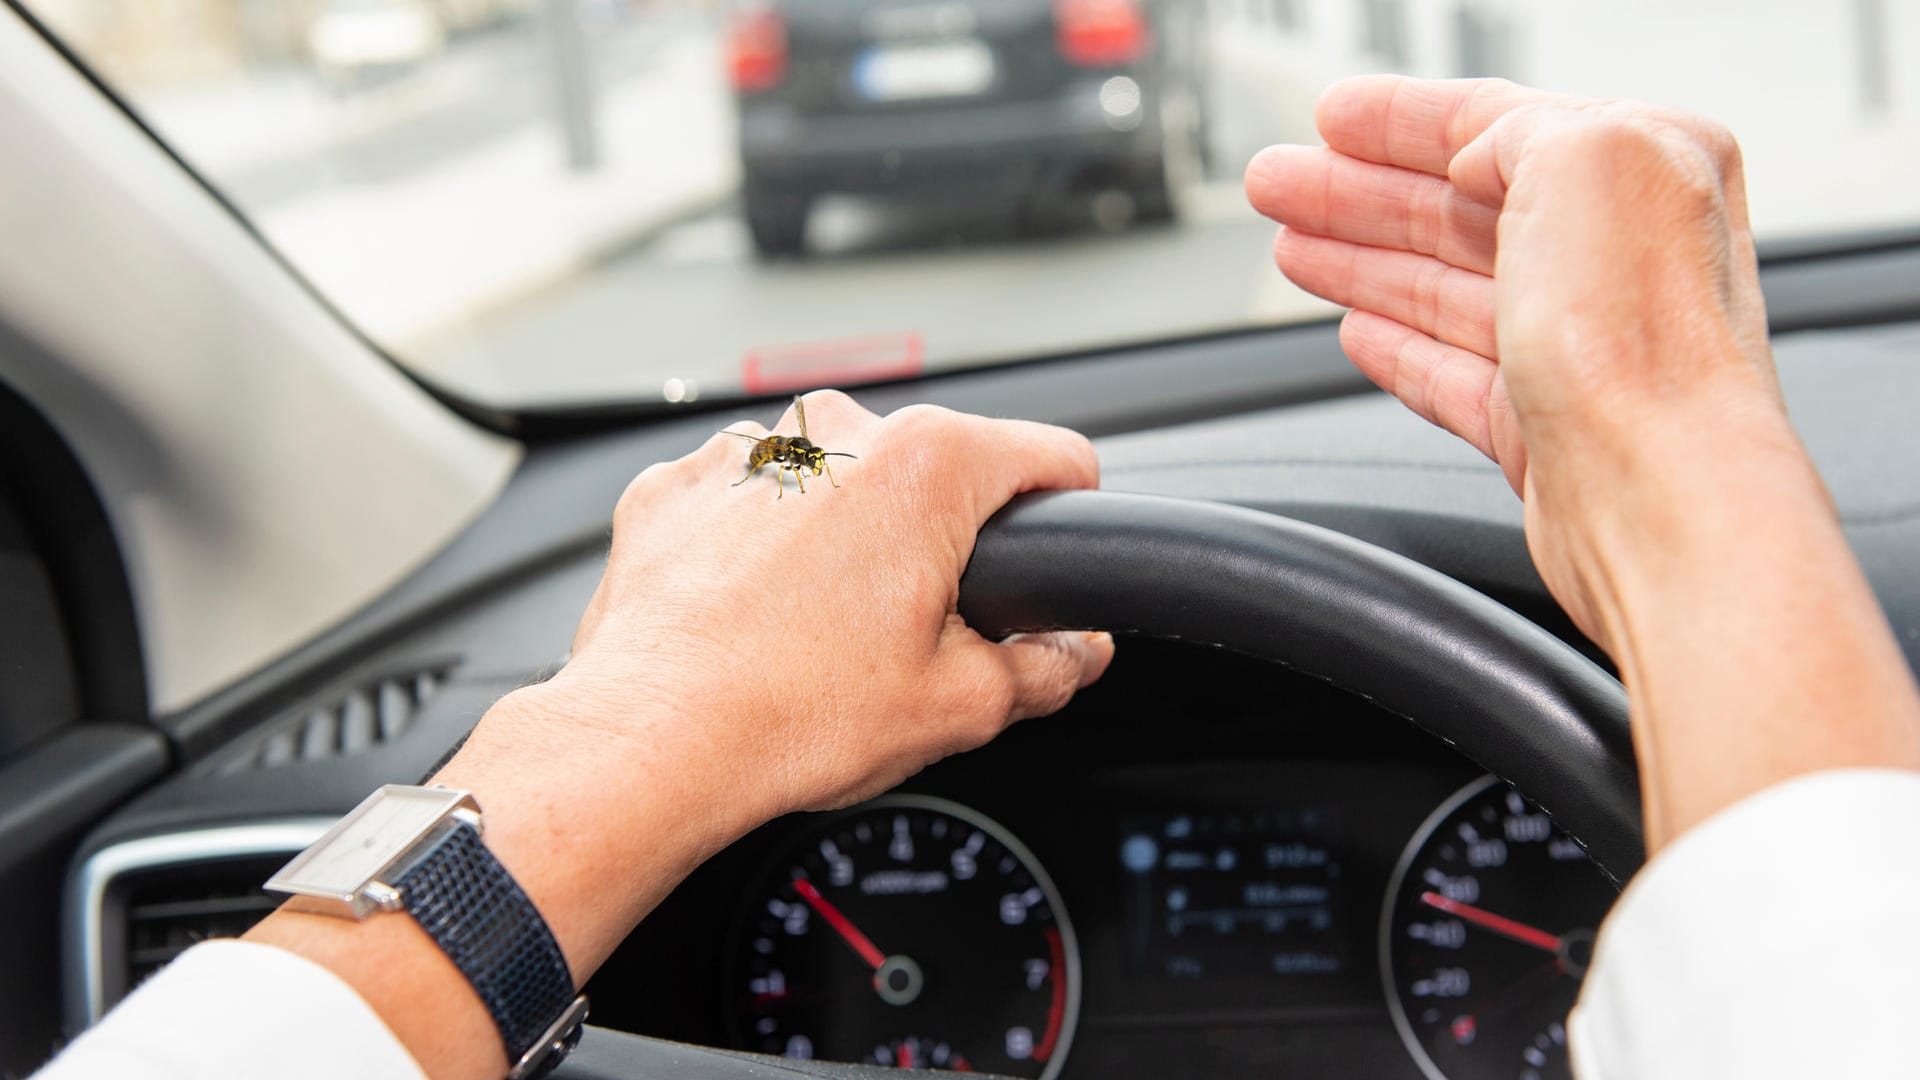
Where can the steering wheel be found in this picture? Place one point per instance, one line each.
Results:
(1496, 687)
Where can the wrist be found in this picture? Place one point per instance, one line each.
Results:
(1632, 525)
(1718, 577)
(594, 833)
(595, 810)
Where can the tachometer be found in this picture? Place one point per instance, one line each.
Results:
(911, 932)
(1486, 934)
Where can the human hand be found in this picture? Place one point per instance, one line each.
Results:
(815, 644)
(742, 657)
(745, 656)
(1569, 284)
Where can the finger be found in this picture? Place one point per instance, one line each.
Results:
(1485, 167)
(723, 447)
(834, 419)
(1023, 456)
(1330, 194)
(1580, 141)
(1445, 385)
(1046, 670)
(1418, 123)
(1432, 296)
(998, 459)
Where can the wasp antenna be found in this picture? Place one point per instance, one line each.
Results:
(838, 453)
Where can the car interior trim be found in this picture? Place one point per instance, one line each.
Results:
(115, 225)
(85, 971)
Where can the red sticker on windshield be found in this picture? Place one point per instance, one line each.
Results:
(779, 369)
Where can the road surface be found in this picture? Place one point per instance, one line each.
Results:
(692, 310)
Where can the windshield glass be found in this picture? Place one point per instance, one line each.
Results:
(571, 202)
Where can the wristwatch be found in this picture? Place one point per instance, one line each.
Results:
(418, 850)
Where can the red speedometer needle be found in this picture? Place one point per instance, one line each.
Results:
(1499, 924)
(866, 948)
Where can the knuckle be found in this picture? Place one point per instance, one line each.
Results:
(829, 397)
(641, 487)
(919, 415)
(1639, 147)
(990, 722)
(921, 426)
(978, 703)
(995, 695)
(1719, 142)
(1053, 676)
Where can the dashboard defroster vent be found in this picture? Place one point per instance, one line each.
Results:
(375, 712)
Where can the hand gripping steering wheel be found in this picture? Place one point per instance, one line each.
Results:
(1507, 694)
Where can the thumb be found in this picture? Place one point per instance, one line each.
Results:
(1484, 169)
(1047, 669)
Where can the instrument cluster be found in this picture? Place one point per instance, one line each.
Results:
(1290, 884)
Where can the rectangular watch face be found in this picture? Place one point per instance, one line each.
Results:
(353, 853)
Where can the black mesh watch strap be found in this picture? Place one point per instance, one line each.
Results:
(474, 910)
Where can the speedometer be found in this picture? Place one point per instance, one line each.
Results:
(1485, 937)
(910, 932)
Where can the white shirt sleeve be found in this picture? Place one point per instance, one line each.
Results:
(1776, 939)
(236, 1009)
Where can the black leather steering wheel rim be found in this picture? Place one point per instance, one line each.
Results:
(1498, 688)
(1468, 670)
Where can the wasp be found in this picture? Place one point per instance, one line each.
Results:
(789, 453)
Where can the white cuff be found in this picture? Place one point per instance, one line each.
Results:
(1776, 939)
(240, 1010)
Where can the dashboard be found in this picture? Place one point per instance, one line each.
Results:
(1206, 867)
(1283, 969)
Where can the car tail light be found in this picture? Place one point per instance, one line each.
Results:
(1101, 33)
(756, 49)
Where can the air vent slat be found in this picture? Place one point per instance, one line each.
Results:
(397, 707)
(358, 720)
(360, 723)
(213, 905)
(319, 736)
(279, 749)
(168, 910)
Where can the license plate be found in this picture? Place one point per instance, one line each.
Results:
(907, 72)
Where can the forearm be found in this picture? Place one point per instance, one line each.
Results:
(593, 853)
(1750, 643)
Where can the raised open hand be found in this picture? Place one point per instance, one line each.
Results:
(1508, 251)
(1570, 285)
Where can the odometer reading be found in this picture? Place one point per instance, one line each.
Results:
(1486, 935)
(911, 932)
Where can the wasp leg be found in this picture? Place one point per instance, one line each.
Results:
(780, 481)
(745, 478)
(800, 479)
(830, 478)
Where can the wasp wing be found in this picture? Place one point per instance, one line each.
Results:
(744, 435)
(800, 413)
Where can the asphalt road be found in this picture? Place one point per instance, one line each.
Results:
(685, 307)
(694, 311)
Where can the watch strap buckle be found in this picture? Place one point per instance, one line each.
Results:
(554, 1044)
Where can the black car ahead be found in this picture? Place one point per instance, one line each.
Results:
(998, 101)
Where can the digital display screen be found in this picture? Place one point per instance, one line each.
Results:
(1234, 895)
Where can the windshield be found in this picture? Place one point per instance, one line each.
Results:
(576, 202)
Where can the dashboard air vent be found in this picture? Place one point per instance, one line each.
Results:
(169, 911)
(364, 717)
(135, 905)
